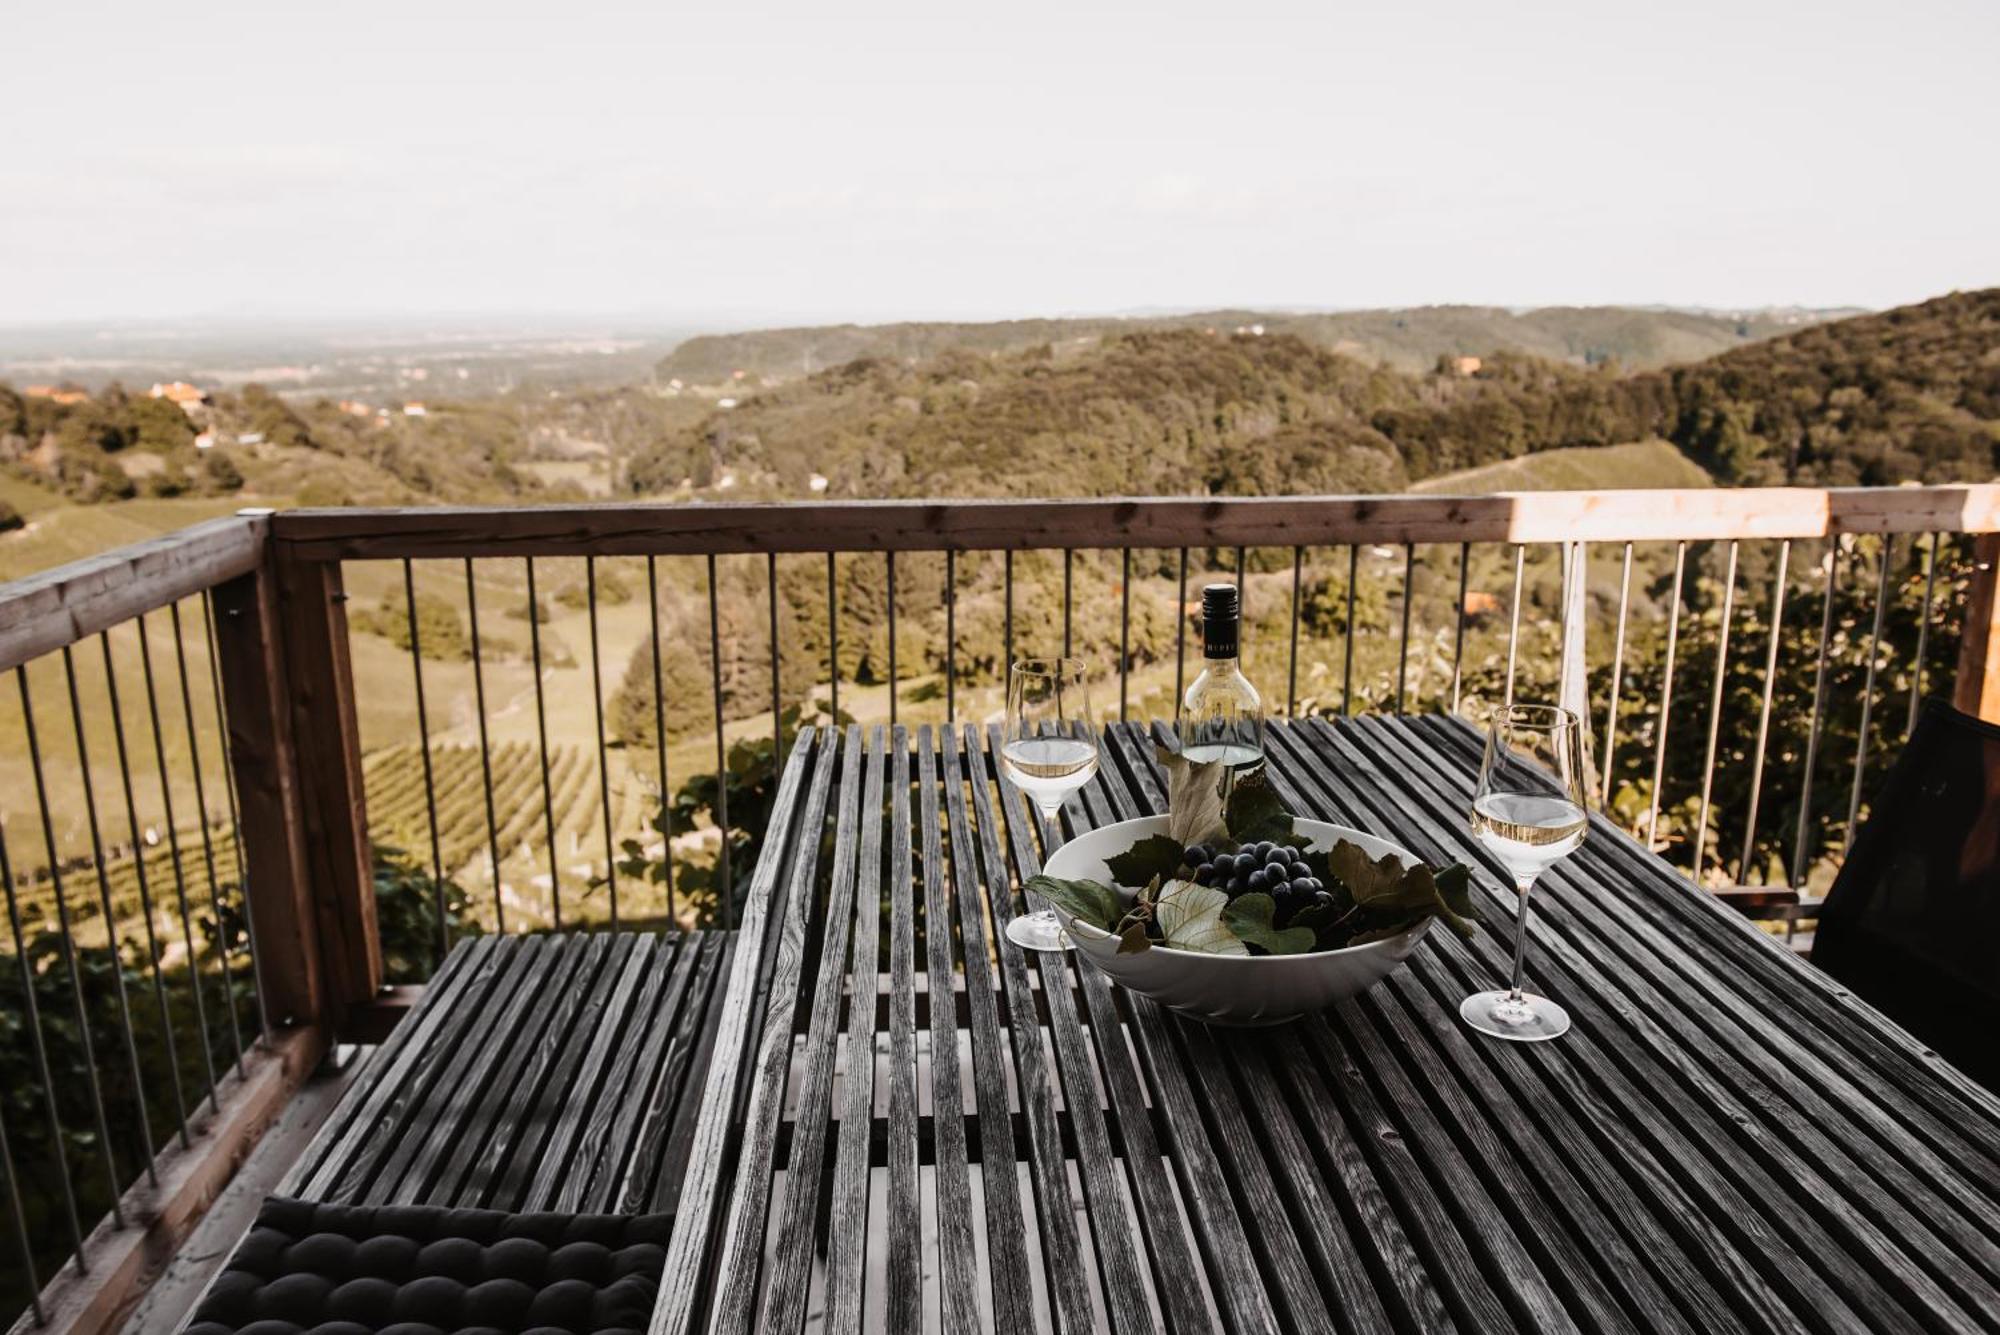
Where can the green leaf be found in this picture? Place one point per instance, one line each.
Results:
(1249, 917)
(1088, 901)
(1368, 881)
(1194, 798)
(1134, 939)
(1454, 893)
(1154, 856)
(1190, 918)
(1256, 812)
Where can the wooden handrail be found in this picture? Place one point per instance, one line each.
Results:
(659, 529)
(42, 613)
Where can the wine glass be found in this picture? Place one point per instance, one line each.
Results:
(1529, 813)
(1048, 749)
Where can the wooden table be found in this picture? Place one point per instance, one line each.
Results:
(1725, 1140)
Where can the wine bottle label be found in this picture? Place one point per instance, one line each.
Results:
(1221, 620)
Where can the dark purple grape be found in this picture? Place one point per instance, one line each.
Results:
(1300, 888)
(1244, 862)
(1257, 880)
(1204, 874)
(1323, 898)
(1196, 854)
(1277, 857)
(1300, 871)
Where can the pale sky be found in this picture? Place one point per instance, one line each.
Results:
(862, 160)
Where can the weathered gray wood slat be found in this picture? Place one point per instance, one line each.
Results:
(641, 1091)
(1732, 1181)
(406, 1171)
(1006, 1225)
(684, 1278)
(1870, 1200)
(847, 1227)
(1061, 1245)
(455, 1183)
(653, 1182)
(798, 1217)
(956, 1267)
(904, 1281)
(1120, 1283)
(743, 1233)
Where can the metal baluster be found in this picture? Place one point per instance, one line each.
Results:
(1124, 630)
(69, 949)
(833, 637)
(1797, 871)
(1180, 636)
(257, 989)
(1007, 624)
(1514, 620)
(485, 750)
(660, 729)
(430, 782)
(1403, 641)
(542, 735)
(1923, 632)
(1764, 711)
(34, 1018)
(777, 663)
(1458, 633)
(950, 636)
(1347, 668)
(1617, 677)
(890, 560)
(110, 920)
(1666, 700)
(174, 854)
(1292, 659)
(603, 753)
(153, 951)
(726, 909)
(1868, 690)
(21, 1225)
(1715, 710)
(207, 843)
(1068, 563)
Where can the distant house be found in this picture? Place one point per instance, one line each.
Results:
(205, 441)
(415, 410)
(250, 438)
(817, 483)
(191, 399)
(355, 408)
(725, 403)
(1466, 366)
(56, 394)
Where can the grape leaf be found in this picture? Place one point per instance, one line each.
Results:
(1190, 918)
(1194, 798)
(1134, 939)
(1086, 901)
(1454, 899)
(1249, 917)
(1156, 855)
(1257, 812)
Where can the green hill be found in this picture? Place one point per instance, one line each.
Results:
(1645, 463)
(1410, 340)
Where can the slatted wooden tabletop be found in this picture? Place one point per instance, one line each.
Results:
(538, 1073)
(913, 1127)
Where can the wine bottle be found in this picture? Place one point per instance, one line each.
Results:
(1222, 716)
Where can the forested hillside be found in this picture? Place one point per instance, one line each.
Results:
(1408, 339)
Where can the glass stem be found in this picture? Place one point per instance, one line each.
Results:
(1524, 885)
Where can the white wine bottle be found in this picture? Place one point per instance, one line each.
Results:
(1222, 716)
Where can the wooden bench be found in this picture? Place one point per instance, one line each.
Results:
(538, 1073)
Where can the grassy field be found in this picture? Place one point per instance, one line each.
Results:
(1646, 463)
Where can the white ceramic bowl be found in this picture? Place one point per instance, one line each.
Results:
(1240, 990)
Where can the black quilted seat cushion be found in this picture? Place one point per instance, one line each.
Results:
(417, 1270)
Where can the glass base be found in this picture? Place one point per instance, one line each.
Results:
(1041, 930)
(1524, 1021)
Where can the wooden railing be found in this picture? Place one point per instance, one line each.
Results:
(272, 594)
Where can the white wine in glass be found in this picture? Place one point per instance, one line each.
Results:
(1048, 749)
(1529, 814)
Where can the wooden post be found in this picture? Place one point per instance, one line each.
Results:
(278, 879)
(1977, 690)
(326, 745)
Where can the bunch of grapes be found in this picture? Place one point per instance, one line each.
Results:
(1274, 869)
